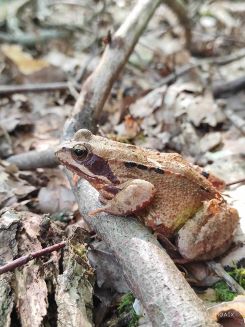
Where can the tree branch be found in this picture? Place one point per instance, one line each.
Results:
(34, 159)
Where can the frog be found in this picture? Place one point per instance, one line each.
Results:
(165, 192)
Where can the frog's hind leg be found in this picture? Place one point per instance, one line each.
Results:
(134, 196)
(209, 233)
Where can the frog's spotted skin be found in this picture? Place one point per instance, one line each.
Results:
(162, 189)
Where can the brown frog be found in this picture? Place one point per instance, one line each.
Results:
(168, 194)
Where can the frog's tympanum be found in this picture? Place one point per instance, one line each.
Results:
(169, 195)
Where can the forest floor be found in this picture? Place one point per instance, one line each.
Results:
(173, 95)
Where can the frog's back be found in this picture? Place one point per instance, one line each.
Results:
(181, 190)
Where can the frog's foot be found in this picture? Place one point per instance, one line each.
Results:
(134, 196)
(209, 233)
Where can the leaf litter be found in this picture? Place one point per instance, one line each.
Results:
(143, 108)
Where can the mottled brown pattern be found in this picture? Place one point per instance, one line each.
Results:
(162, 189)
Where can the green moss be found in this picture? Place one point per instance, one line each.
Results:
(239, 275)
(126, 306)
(223, 292)
(126, 303)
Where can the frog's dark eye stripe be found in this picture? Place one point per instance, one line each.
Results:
(99, 167)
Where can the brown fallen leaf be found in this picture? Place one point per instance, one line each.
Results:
(12, 187)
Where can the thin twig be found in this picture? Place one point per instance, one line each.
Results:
(171, 78)
(219, 270)
(224, 60)
(26, 258)
(236, 182)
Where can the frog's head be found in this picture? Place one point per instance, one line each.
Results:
(96, 158)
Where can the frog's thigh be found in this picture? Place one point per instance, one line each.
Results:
(209, 233)
(133, 196)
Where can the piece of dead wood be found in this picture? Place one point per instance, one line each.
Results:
(29, 285)
(31, 289)
(8, 250)
(151, 274)
(34, 159)
(74, 295)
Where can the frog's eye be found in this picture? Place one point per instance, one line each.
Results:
(79, 152)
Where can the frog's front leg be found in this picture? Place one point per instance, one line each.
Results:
(133, 196)
(209, 233)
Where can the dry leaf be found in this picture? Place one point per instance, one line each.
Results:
(23, 60)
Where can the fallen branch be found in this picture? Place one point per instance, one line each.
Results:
(34, 159)
(26, 258)
(41, 87)
(151, 274)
